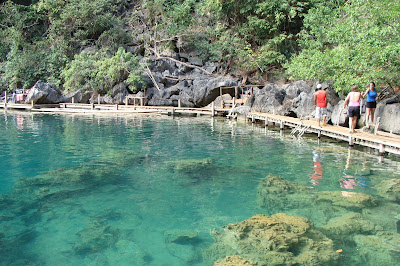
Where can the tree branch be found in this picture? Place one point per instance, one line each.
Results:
(158, 57)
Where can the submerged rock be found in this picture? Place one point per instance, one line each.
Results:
(68, 182)
(276, 240)
(234, 261)
(95, 239)
(349, 200)
(275, 194)
(190, 165)
(182, 244)
(380, 249)
(124, 252)
(345, 227)
(386, 215)
(195, 169)
(390, 189)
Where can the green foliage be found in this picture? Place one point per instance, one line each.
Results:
(255, 33)
(100, 72)
(348, 41)
(24, 56)
(78, 23)
(35, 62)
(353, 44)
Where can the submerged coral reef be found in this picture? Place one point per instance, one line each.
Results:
(276, 240)
(30, 213)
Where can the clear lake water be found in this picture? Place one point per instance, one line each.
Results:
(148, 189)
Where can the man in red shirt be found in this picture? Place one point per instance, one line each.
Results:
(321, 102)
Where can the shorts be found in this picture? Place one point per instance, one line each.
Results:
(354, 111)
(320, 111)
(371, 104)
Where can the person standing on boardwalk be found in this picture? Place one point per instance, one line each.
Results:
(321, 102)
(371, 103)
(353, 113)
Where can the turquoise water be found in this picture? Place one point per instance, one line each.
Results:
(147, 190)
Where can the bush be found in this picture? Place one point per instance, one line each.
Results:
(100, 72)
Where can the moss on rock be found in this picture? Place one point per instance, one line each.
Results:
(390, 189)
(380, 249)
(345, 227)
(234, 261)
(276, 240)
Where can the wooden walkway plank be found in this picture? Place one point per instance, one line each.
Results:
(383, 143)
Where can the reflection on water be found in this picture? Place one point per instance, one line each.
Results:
(318, 169)
(92, 189)
(354, 176)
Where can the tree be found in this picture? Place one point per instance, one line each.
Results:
(97, 71)
(254, 33)
(354, 43)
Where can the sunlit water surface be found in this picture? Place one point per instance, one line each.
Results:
(128, 190)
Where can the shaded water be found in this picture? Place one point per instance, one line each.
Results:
(147, 190)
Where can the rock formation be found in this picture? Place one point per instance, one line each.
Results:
(44, 93)
(275, 194)
(276, 240)
(234, 261)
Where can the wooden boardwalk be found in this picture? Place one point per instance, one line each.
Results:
(383, 142)
(113, 108)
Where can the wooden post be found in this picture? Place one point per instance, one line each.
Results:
(266, 121)
(282, 126)
(381, 149)
(5, 100)
(179, 103)
(173, 112)
(98, 99)
(116, 106)
(252, 119)
(32, 103)
(92, 106)
(319, 134)
(126, 100)
(222, 99)
(73, 100)
(351, 141)
(212, 109)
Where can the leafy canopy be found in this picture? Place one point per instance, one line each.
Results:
(353, 44)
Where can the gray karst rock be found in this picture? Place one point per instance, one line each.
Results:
(269, 99)
(44, 93)
(78, 96)
(118, 93)
(389, 117)
(206, 88)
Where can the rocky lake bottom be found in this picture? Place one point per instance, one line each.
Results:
(157, 190)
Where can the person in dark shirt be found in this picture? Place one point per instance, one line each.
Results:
(371, 103)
